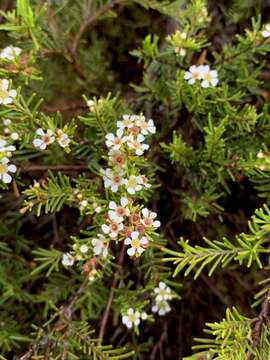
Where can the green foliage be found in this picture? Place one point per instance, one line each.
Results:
(84, 169)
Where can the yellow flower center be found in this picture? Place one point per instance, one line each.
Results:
(3, 94)
(135, 243)
(207, 76)
(3, 168)
(132, 182)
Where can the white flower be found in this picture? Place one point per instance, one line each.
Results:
(6, 122)
(83, 249)
(208, 76)
(10, 52)
(163, 292)
(180, 51)
(45, 139)
(136, 244)
(6, 148)
(117, 212)
(147, 127)
(113, 141)
(83, 204)
(131, 318)
(149, 218)
(144, 181)
(6, 95)
(133, 184)
(161, 307)
(137, 145)
(116, 158)
(111, 179)
(113, 228)
(260, 155)
(144, 316)
(91, 105)
(127, 122)
(194, 73)
(67, 259)
(266, 31)
(14, 136)
(5, 168)
(99, 247)
(62, 138)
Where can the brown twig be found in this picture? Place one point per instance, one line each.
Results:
(89, 20)
(106, 313)
(158, 345)
(259, 323)
(66, 311)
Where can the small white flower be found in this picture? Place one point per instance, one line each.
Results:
(127, 122)
(83, 204)
(131, 318)
(91, 105)
(266, 31)
(180, 51)
(111, 179)
(147, 127)
(113, 228)
(260, 155)
(67, 259)
(116, 158)
(97, 208)
(5, 168)
(6, 95)
(44, 140)
(163, 292)
(99, 246)
(113, 141)
(116, 212)
(14, 136)
(144, 181)
(133, 184)
(194, 73)
(149, 218)
(136, 143)
(208, 76)
(62, 138)
(144, 316)
(137, 245)
(10, 52)
(4, 148)
(6, 122)
(161, 307)
(83, 249)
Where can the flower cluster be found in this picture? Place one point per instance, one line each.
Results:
(47, 137)
(181, 43)
(266, 32)
(6, 95)
(162, 294)
(128, 141)
(10, 53)
(7, 131)
(203, 73)
(133, 318)
(124, 220)
(5, 166)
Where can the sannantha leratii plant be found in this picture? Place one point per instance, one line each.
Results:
(125, 220)
(7, 168)
(201, 73)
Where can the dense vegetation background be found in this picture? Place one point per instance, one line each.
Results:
(208, 163)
